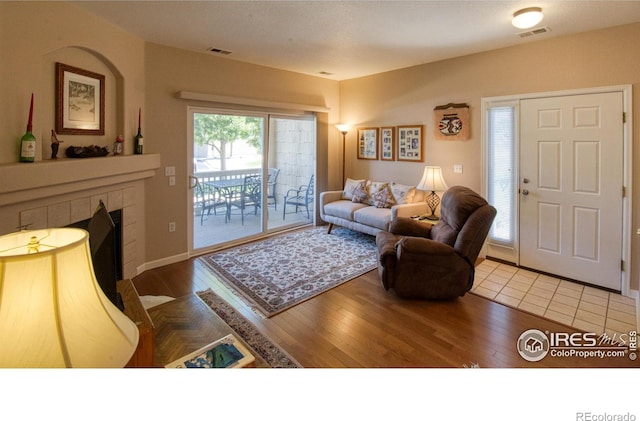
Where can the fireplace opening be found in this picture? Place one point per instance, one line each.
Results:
(105, 241)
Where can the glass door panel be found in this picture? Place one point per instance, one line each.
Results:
(227, 177)
(291, 163)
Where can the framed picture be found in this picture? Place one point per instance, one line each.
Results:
(410, 143)
(387, 143)
(79, 101)
(368, 143)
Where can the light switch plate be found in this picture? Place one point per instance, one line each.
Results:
(169, 171)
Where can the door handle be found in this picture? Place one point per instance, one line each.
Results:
(193, 182)
(525, 192)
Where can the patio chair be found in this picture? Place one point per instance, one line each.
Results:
(271, 186)
(207, 199)
(301, 197)
(250, 195)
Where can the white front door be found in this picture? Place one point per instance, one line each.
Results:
(571, 187)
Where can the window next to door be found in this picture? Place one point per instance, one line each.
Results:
(501, 171)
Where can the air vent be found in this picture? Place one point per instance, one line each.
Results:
(532, 32)
(218, 51)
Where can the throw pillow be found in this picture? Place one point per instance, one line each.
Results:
(383, 198)
(374, 187)
(403, 194)
(360, 194)
(349, 186)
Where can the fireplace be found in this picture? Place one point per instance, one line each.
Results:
(60, 193)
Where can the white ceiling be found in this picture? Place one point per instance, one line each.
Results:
(350, 38)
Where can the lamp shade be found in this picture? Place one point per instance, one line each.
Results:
(53, 312)
(342, 128)
(432, 180)
(527, 18)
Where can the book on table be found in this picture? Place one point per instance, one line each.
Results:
(226, 352)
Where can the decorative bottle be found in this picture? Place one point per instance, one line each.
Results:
(28, 141)
(139, 139)
(117, 147)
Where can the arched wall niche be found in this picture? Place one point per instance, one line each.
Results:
(91, 60)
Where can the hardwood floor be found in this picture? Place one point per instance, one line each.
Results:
(359, 324)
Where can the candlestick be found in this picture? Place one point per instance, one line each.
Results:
(29, 123)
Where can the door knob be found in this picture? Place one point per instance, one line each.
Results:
(525, 192)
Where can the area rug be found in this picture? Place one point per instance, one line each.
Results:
(280, 272)
(270, 352)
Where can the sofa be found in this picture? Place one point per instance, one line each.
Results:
(370, 206)
(418, 260)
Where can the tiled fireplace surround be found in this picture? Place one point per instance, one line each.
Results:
(52, 194)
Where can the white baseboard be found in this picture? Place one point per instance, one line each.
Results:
(161, 262)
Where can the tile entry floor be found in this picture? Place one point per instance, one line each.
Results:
(583, 307)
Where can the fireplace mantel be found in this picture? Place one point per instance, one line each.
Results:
(22, 182)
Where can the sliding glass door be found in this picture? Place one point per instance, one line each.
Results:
(252, 174)
(291, 164)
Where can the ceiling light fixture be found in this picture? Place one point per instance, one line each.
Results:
(527, 18)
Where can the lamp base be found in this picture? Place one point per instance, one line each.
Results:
(433, 201)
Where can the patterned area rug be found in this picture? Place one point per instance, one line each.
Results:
(280, 272)
(271, 352)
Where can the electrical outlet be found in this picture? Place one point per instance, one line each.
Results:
(457, 168)
(172, 227)
(172, 181)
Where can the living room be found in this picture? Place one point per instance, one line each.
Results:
(150, 75)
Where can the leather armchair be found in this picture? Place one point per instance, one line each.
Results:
(419, 260)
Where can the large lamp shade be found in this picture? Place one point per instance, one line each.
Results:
(53, 312)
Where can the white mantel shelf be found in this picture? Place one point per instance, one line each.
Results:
(22, 182)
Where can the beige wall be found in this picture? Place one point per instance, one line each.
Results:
(600, 58)
(171, 70)
(33, 36)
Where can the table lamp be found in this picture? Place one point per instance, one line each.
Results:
(53, 312)
(432, 181)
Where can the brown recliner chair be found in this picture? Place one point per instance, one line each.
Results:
(419, 260)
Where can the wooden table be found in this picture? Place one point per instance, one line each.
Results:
(185, 325)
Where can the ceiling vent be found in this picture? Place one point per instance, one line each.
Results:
(218, 51)
(532, 32)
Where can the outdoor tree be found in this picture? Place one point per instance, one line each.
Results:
(220, 131)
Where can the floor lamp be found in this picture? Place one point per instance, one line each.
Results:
(344, 129)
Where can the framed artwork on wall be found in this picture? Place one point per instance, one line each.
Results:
(387, 143)
(451, 122)
(410, 140)
(368, 143)
(79, 101)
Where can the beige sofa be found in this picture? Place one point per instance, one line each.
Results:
(369, 206)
